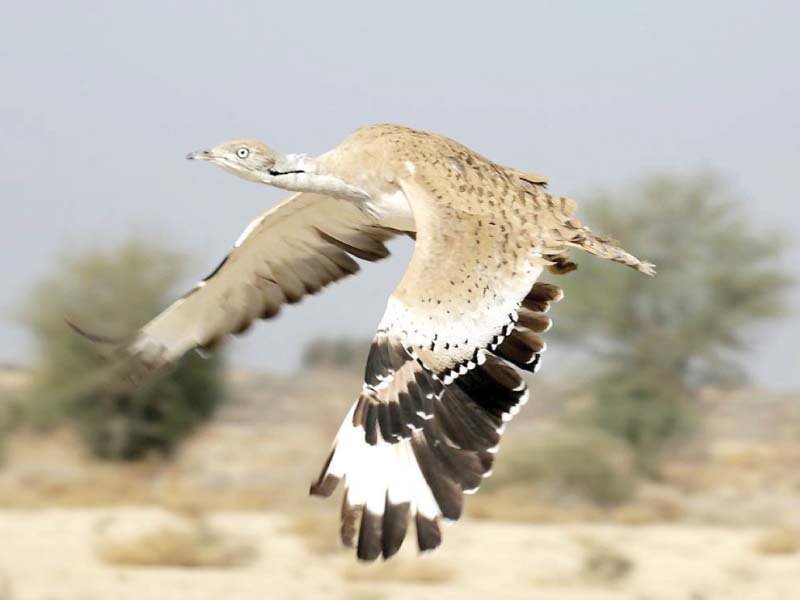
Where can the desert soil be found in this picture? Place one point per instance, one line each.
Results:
(50, 555)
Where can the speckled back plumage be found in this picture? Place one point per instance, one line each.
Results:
(484, 231)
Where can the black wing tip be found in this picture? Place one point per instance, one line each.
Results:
(324, 486)
(326, 483)
(383, 535)
(370, 536)
(395, 525)
(429, 536)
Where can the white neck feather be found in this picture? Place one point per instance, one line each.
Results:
(308, 180)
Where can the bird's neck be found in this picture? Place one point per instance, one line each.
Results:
(300, 173)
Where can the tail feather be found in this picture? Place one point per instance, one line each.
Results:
(609, 248)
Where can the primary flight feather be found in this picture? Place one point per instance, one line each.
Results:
(443, 372)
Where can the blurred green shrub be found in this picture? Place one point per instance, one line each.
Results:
(9, 411)
(582, 462)
(718, 276)
(655, 342)
(114, 291)
(646, 412)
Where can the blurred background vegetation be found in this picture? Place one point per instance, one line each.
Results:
(652, 344)
(117, 290)
(336, 353)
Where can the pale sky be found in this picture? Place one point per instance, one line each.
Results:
(100, 102)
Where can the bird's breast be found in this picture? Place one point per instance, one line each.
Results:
(392, 209)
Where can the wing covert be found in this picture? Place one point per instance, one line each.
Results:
(292, 250)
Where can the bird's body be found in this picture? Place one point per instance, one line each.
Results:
(474, 255)
(439, 381)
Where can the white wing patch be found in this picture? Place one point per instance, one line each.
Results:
(420, 438)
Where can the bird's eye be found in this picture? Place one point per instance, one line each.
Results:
(243, 152)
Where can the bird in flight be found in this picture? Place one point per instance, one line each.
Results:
(443, 371)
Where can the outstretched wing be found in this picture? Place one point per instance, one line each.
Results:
(291, 250)
(419, 438)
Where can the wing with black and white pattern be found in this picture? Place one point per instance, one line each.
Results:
(420, 437)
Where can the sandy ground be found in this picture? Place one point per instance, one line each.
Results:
(693, 536)
(50, 555)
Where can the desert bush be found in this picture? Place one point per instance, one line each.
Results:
(75, 380)
(604, 564)
(336, 353)
(718, 276)
(192, 543)
(651, 505)
(12, 381)
(655, 341)
(573, 461)
(784, 540)
(9, 416)
(318, 530)
(647, 412)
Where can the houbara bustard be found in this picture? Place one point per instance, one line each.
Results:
(442, 375)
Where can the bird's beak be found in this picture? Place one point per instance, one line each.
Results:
(199, 155)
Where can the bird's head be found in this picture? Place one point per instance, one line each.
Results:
(258, 162)
(248, 159)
